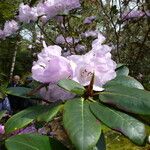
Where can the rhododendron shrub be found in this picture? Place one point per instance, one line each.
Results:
(79, 87)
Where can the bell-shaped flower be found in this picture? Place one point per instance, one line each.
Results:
(98, 62)
(54, 93)
(51, 66)
(10, 27)
(27, 13)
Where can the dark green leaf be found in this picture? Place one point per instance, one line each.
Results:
(72, 86)
(128, 99)
(2, 113)
(82, 127)
(122, 71)
(129, 126)
(120, 65)
(23, 118)
(28, 142)
(19, 91)
(125, 81)
(22, 92)
(49, 114)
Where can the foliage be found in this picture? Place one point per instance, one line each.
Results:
(116, 107)
(123, 105)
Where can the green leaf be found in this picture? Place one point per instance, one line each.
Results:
(28, 142)
(22, 92)
(49, 114)
(33, 142)
(72, 86)
(122, 71)
(129, 126)
(2, 113)
(82, 127)
(23, 118)
(120, 65)
(125, 81)
(127, 99)
(19, 91)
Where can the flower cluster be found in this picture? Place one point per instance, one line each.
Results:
(135, 14)
(43, 10)
(10, 27)
(46, 10)
(70, 40)
(27, 14)
(97, 61)
(52, 67)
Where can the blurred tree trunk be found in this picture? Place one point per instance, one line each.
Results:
(13, 62)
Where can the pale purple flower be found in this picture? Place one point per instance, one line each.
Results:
(28, 129)
(53, 8)
(41, 9)
(68, 40)
(99, 40)
(51, 66)
(97, 61)
(2, 129)
(46, 10)
(134, 14)
(60, 39)
(10, 27)
(27, 13)
(71, 4)
(80, 48)
(90, 33)
(89, 20)
(72, 40)
(54, 93)
(66, 53)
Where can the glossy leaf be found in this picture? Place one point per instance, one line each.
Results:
(82, 127)
(2, 113)
(122, 71)
(49, 114)
(33, 142)
(120, 65)
(23, 118)
(19, 91)
(128, 99)
(72, 86)
(28, 142)
(125, 81)
(129, 126)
